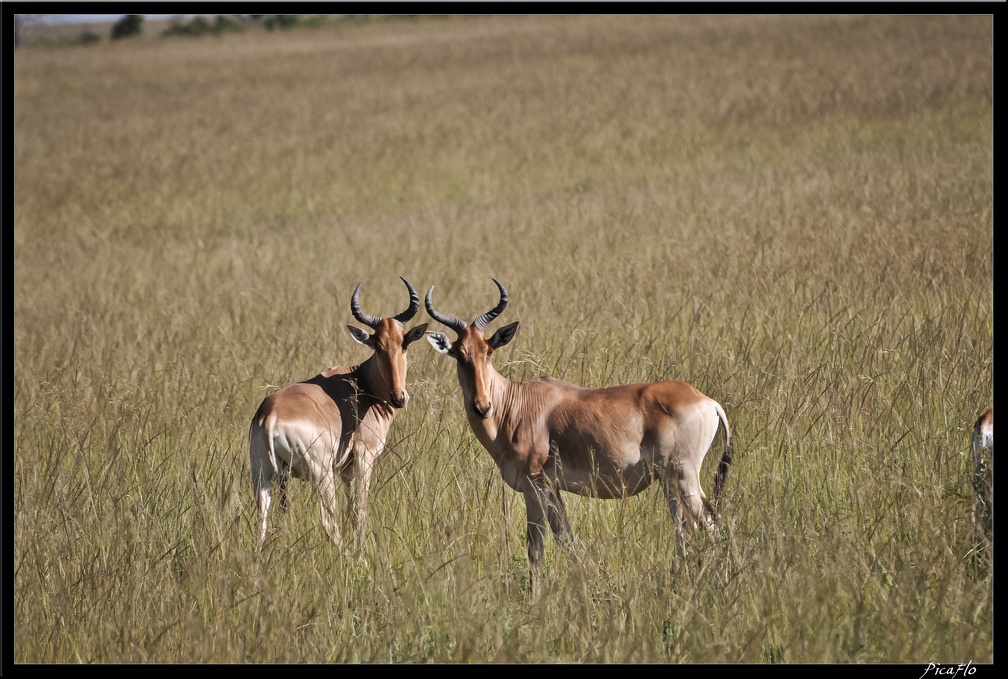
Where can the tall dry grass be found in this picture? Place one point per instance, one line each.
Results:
(794, 213)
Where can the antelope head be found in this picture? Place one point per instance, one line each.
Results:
(472, 350)
(389, 343)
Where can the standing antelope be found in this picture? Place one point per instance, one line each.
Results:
(547, 435)
(337, 420)
(982, 444)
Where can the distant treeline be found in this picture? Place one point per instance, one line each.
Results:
(233, 23)
(132, 25)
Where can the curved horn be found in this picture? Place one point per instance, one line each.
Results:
(481, 321)
(414, 304)
(456, 324)
(367, 319)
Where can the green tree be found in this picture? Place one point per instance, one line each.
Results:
(129, 25)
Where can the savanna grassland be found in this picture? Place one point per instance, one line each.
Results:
(793, 213)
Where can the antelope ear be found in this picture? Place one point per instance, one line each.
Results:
(503, 335)
(359, 335)
(439, 341)
(414, 334)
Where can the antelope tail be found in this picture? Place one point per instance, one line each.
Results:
(726, 457)
(262, 429)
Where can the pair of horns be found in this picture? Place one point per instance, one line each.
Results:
(373, 321)
(457, 324)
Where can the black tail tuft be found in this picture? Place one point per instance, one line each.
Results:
(722, 472)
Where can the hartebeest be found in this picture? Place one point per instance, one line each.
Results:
(337, 420)
(547, 435)
(982, 445)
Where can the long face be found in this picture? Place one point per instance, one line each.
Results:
(389, 343)
(473, 351)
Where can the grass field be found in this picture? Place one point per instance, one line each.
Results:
(793, 213)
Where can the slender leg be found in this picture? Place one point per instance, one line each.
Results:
(325, 485)
(347, 472)
(282, 478)
(555, 510)
(363, 466)
(263, 502)
(697, 509)
(557, 515)
(535, 525)
(262, 477)
(669, 488)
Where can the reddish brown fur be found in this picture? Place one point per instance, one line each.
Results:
(547, 435)
(337, 420)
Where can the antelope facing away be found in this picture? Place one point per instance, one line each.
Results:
(336, 420)
(982, 445)
(547, 435)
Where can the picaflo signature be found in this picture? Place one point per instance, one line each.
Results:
(949, 671)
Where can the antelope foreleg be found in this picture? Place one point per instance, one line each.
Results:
(535, 534)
